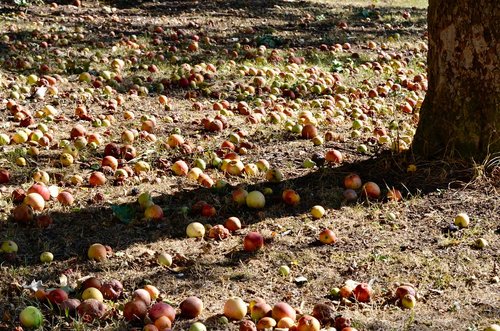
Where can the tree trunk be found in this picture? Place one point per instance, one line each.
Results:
(460, 116)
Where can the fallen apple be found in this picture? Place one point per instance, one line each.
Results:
(283, 309)
(235, 308)
(195, 230)
(160, 309)
(256, 200)
(253, 241)
(266, 323)
(327, 236)
(352, 181)
(308, 323)
(284, 270)
(371, 190)
(8, 247)
(180, 168)
(91, 309)
(135, 310)
(408, 301)
(247, 325)
(142, 295)
(111, 290)
(290, 197)
(233, 223)
(164, 259)
(317, 212)
(239, 196)
(153, 291)
(191, 307)
(362, 292)
(31, 317)
(153, 212)
(163, 323)
(97, 252)
(56, 296)
(46, 257)
(35, 201)
(197, 326)
(92, 293)
(462, 220)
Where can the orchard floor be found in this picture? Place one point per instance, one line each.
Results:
(306, 80)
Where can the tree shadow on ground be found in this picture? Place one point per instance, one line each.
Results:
(75, 229)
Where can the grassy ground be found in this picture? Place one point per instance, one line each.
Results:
(321, 64)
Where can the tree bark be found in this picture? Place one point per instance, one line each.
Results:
(460, 116)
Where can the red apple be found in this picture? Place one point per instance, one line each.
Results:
(283, 309)
(65, 198)
(308, 323)
(160, 309)
(371, 190)
(23, 213)
(97, 179)
(403, 290)
(362, 292)
(327, 236)
(40, 189)
(4, 176)
(143, 295)
(290, 197)
(253, 241)
(191, 307)
(57, 296)
(260, 310)
(180, 168)
(35, 200)
(352, 181)
(135, 310)
(333, 156)
(233, 224)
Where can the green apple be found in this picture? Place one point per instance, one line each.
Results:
(198, 326)
(31, 317)
(165, 259)
(46, 257)
(9, 246)
(284, 270)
